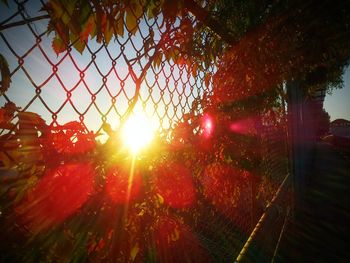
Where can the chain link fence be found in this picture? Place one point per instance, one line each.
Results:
(98, 86)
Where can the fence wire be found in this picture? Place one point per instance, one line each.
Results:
(98, 86)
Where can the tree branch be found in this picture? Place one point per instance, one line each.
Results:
(202, 15)
(24, 22)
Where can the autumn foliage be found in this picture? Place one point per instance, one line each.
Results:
(134, 203)
(65, 196)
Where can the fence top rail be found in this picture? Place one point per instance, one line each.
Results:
(282, 189)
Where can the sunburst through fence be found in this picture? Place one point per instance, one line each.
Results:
(188, 204)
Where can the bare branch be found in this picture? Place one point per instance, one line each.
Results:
(24, 22)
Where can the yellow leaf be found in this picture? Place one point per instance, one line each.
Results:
(108, 32)
(175, 235)
(134, 251)
(160, 198)
(141, 213)
(119, 26)
(131, 21)
(77, 43)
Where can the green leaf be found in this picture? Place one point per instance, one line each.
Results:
(59, 11)
(89, 28)
(78, 44)
(85, 12)
(5, 75)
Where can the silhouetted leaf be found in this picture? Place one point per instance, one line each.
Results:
(5, 75)
(6, 115)
(207, 79)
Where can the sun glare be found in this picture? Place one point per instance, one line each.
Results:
(138, 132)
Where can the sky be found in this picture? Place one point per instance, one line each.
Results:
(167, 92)
(338, 103)
(38, 67)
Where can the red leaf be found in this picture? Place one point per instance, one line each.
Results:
(58, 45)
(122, 185)
(173, 182)
(58, 195)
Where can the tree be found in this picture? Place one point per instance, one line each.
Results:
(323, 121)
(238, 37)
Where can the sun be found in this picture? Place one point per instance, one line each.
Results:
(138, 132)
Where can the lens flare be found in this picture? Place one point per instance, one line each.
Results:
(58, 195)
(138, 132)
(207, 126)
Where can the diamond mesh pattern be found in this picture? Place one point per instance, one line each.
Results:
(98, 85)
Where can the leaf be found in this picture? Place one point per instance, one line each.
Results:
(108, 33)
(88, 28)
(136, 7)
(194, 70)
(107, 128)
(160, 199)
(77, 43)
(147, 44)
(151, 33)
(2, 116)
(101, 19)
(158, 59)
(58, 45)
(73, 125)
(134, 251)
(58, 11)
(85, 12)
(5, 75)
(61, 30)
(6, 115)
(119, 25)
(9, 154)
(30, 119)
(207, 79)
(175, 235)
(131, 21)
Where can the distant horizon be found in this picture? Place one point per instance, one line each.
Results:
(337, 104)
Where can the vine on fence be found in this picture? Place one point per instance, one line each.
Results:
(66, 177)
(67, 196)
